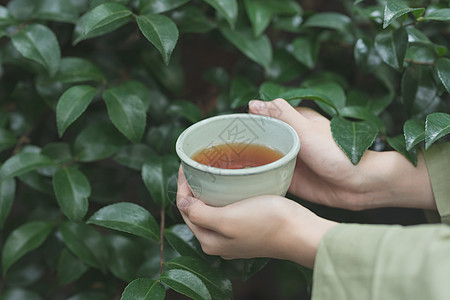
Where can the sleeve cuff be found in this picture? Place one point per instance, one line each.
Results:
(356, 261)
(437, 159)
(345, 260)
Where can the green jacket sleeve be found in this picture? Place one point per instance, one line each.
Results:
(392, 262)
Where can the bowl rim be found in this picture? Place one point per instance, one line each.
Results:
(291, 154)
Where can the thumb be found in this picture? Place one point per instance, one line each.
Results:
(279, 109)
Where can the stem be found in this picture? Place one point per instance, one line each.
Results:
(25, 138)
(161, 237)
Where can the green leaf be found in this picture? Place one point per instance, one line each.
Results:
(100, 20)
(22, 9)
(414, 132)
(7, 192)
(257, 49)
(398, 144)
(5, 17)
(181, 238)
(7, 139)
(77, 69)
(59, 152)
(443, 71)
(24, 239)
(144, 289)
(192, 19)
(260, 13)
(306, 93)
(126, 256)
(329, 20)
(305, 50)
(283, 68)
(269, 91)
(72, 104)
(354, 138)
(127, 217)
(161, 31)
(38, 43)
(56, 10)
(366, 57)
(170, 76)
(186, 283)
(186, 109)
(241, 92)
(331, 91)
(134, 87)
(127, 112)
(391, 46)
(442, 14)
(69, 268)
(217, 282)
(397, 8)
(227, 8)
(157, 6)
(244, 269)
(437, 125)
(72, 190)
(419, 92)
(97, 141)
(134, 156)
(18, 293)
(155, 174)
(362, 113)
(86, 243)
(22, 163)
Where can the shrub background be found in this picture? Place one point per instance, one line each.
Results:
(93, 95)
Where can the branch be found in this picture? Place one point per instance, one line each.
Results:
(161, 237)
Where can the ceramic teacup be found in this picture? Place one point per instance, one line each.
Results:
(219, 187)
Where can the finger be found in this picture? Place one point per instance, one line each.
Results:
(183, 189)
(311, 114)
(278, 108)
(203, 215)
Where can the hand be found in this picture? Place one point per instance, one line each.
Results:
(264, 226)
(325, 175)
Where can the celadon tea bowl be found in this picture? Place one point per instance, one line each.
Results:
(219, 187)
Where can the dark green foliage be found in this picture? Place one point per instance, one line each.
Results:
(94, 93)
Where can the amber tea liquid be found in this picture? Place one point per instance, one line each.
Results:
(236, 156)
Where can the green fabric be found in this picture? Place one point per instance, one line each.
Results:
(438, 165)
(380, 262)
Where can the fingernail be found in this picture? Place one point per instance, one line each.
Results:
(256, 105)
(183, 204)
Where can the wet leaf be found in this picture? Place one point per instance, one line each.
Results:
(38, 43)
(437, 125)
(100, 20)
(216, 281)
(186, 283)
(24, 239)
(72, 104)
(144, 289)
(127, 217)
(354, 138)
(72, 189)
(161, 31)
(127, 112)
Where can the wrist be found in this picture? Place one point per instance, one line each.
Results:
(393, 181)
(302, 235)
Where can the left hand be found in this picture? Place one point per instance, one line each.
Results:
(263, 226)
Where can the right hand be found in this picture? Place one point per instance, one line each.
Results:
(324, 174)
